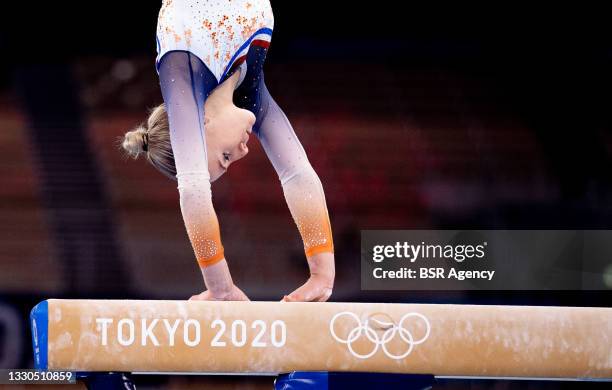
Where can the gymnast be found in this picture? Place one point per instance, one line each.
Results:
(210, 66)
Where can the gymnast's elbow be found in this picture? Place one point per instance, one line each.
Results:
(300, 172)
(194, 189)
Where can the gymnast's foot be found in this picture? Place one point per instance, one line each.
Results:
(316, 289)
(235, 294)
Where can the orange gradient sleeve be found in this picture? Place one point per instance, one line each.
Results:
(185, 82)
(200, 218)
(306, 200)
(301, 185)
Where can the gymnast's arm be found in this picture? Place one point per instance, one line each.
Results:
(304, 195)
(183, 84)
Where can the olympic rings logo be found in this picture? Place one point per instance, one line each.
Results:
(390, 330)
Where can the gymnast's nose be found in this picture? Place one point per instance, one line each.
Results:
(245, 137)
(244, 150)
(252, 119)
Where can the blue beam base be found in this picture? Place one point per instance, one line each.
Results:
(351, 380)
(106, 380)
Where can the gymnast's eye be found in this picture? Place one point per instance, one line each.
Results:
(226, 156)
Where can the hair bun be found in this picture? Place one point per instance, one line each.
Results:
(135, 142)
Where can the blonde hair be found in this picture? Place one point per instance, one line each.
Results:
(152, 138)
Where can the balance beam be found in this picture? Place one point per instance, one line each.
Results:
(275, 337)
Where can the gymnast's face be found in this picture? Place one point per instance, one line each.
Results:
(227, 134)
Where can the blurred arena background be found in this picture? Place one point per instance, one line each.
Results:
(438, 118)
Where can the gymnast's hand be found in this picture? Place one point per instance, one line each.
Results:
(319, 286)
(234, 294)
(219, 284)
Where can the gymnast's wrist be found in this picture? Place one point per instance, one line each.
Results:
(223, 293)
(218, 279)
(322, 265)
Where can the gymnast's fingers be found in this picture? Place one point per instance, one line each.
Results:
(203, 296)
